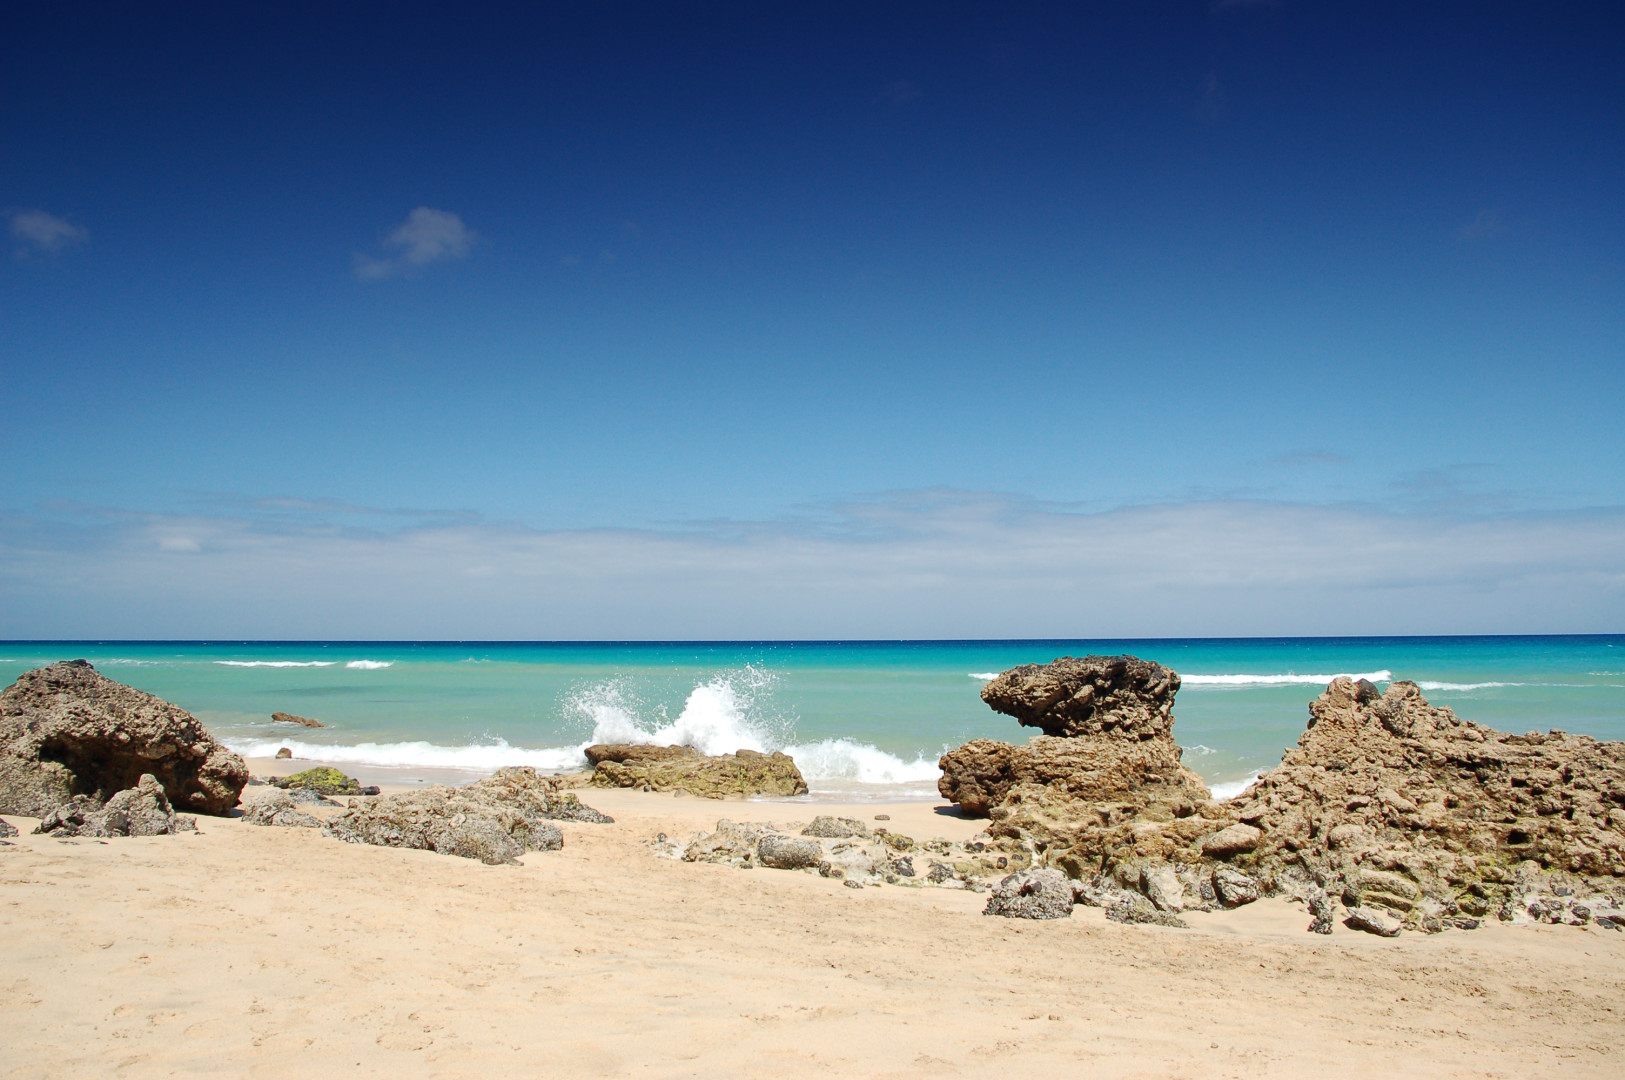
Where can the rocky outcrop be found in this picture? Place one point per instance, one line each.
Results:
(683, 768)
(495, 820)
(1032, 894)
(981, 775)
(290, 718)
(68, 732)
(1092, 695)
(278, 808)
(143, 810)
(7, 829)
(1403, 807)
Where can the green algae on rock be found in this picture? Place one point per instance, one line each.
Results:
(683, 768)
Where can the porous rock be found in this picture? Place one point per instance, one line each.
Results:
(324, 780)
(673, 768)
(1231, 840)
(7, 829)
(494, 820)
(1233, 888)
(1162, 887)
(1122, 696)
(835, 827)
(142, 810)
(1031, 894)
(1372, 921)
(277, 808)
(787, 853)
(1409, 806)
(68, 731)
(1133, 909)
(290, 718)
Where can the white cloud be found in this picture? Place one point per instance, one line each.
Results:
(40, 231)
(923, 564)
(426, 236)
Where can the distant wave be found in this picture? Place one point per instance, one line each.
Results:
(1223, 792)
(1429, 685)
(483, 757)
(277, 663)
(1287, 679)
(368, 665)
(985, 676)
(1200, 750)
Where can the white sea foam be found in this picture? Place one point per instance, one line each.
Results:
(1428, 685)
(1286, 679)
(277, 663)
(985, 676)
(1200, 750)
(368, 665)
(721, 715)
(1223, 792)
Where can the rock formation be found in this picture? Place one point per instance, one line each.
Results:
(1094, 695)
(142, 810)
(7, 829)
(683, 768)
(494, 820)
(277, 808)
(1402, 806)
(1032, 894)
(67, 731)
(290, 718)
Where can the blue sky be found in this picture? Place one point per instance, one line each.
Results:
(829, 321)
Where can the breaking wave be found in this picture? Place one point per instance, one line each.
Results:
(1428, 685)
(276, 663)
(368, 665)
(1224, 792)
(721, 715)
(985, 676)
(1287, 679)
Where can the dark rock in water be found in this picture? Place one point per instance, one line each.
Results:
(1032, 894)
(67, 731)
(7, 829)
(284, 754)
(1095, 695)
(143, 810)
(1233, 888)
(835, 828)
(683, 768)
(785, 853)
(290, 718)
(277, 808)
(495, 820)
(1139, 910)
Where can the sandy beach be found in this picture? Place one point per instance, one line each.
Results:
(281, 952)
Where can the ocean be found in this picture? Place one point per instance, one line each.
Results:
(864, 719)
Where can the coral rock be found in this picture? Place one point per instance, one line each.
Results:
(673, 768)
(1032, 894)
(1122, 696)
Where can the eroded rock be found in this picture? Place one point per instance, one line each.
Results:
(1032, 894)
(143, 810)
(290, 718)
(683, 768)
(1092, 695)
(277, 808)
(67, 731)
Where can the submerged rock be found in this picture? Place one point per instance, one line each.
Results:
(143, 810)
(683, 768)
(1031, 894)
(68, 732)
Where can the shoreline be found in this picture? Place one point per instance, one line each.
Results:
(273, 952)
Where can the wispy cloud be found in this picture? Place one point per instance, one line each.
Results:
(37, 231)
(920, 564)
(426, 236)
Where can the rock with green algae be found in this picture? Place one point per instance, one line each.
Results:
(324, 780)
(683, 768)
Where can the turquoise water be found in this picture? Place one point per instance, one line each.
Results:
(862, 718)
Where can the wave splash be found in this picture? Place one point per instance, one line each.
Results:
(721, 715)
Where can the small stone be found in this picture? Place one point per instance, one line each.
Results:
(851, 884)
(1133, 909)
(835, 828)
(1464, 923)
(8, 829)
(882, 817)
(1162, 887)
(1237, 839)
(1372, 921)
(786, 853)
(1320, 907)
(284, 754)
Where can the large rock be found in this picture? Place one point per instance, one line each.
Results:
(495, 820)
(674, 768)
(981, 774)
(787, 853)
(277, 808)
(142, 810)
(1093, 695)
(1411, 808)
(67, 731)
(290, 718)
(1031, 894)
(323, 780)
